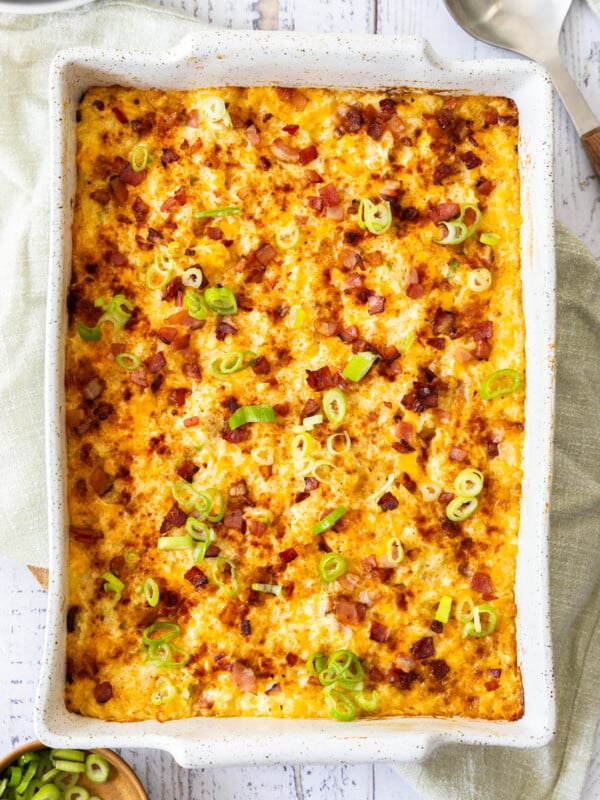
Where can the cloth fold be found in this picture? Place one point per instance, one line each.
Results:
(27, 45)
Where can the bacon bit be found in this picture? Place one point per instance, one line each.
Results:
(190, 367)
(329, 195)
(376, 304)
(118, 188)
(316, 203)
(245, 627)
(191, 422)
(291, 659)
(85, 535)
(156, 362)
(103, 691)
(196, 577)
(349, 613)
(470, 159)
(140, 209)
(300, 497)
(310, 407)
(244, 677)
(483, 350)
(387, 502)
(93, 388)
(285, 152)
(491, 685)
(445, 497)
(403, 680)
(350, 259)
(294, 97)
(172, 289)
(408, 483)
(327, 327)
(402, 446)
(235, 519)
(457, 454)
(447, 211)
(484, 186)
(168, 156)
(483, 330)
(482, 583)
(101, 196)
(439, 668)
(119, 115)
(492, 449)
(438, 342)
(440, 172)
(130, 176)
(265, 254)
(168, 204)
(443, 323)
(415, 291)
(336, 213)
(180, 196)
(252, 135)
(281, 409)
(138, 376)
(178, 396)
(174, 518)
(424, 395)
(225, 329)
(310, 484)
(437, 626)
(462, 355)
(379, 632)
(288, 555)
(184, 319)
(351, 117)
(423, 648)
(100, 481)
(258, 527)
(491, 117)
(261, 366)
(155, 236)
(214, 233)
(291, 129)
(495, 673)
(306, 155)
(404, 430)
(187, 470)
(311, 175)
(349, 334)
(166, 334)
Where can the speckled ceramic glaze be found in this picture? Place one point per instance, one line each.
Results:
(219, 58)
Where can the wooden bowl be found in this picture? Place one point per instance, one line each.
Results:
(122, 783)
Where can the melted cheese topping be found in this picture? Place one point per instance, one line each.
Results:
(416, 416)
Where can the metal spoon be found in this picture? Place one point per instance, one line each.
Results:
(531, 28)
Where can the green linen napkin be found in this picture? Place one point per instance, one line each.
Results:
(557, 771)
(27, 45)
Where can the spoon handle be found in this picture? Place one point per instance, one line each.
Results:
(586, 123)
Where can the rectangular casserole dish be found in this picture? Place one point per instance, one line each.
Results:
(227, 58)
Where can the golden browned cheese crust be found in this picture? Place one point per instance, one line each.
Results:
(313, 288)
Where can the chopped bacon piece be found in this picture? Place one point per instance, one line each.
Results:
(483, 330)
(457, 454)
(196, 577)
(402, 446)
(180, 196)
(492, 448)
(329, 195)
(258, 527)
(462, 355)
(178, 396)
(130, 176)
(291, 659)
(423, 648)
(103, 691)
(93, 388)
(483, 350)
(312, 176)
(440, 172)
(354, 280)
(191, 422)
(238, 489)
(470, 159)
(261, 366)
(439, 668)
(214, 233)
(484, 186)
(252, 135)
(85, 535)
(265, 254)
(288, 555)
(225, 329)
(118, 188)
(320, 379)
(138, 376)
(379, 632)
(101, 196)
(182, 317)
(166, 334)
(172, 288)
(316, 203)
(234, 519)
(310, 483)
(281, 409)
(308, 154)
(300, 496)
(190, 367)
(245, 627)
(349, 613)
(352, 118)
(447, 211)
(187, 470)
(285, 152)
(375, 304)
(144, 124)
(415, 291)
(349, 334)
(438, 342)
(387, 502)
(408, 483)
(404, 430)
(445, 497)
(244, 677)
(401, 679)
(443, 323)
(140, 209)
(101, 481)
(328, 327)
(120, 115)
(156, 362)
(375, 129)
(310, 407)
(168, 156)
(424, 395)
(437, 626)
(174, 518)
(482, 583)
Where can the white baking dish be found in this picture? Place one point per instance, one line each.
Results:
(241, 58)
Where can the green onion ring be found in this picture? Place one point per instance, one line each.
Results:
(170, 631)
(376, 218)
(175, 542)
(232, 588)
(158, 274)
(163, 692)
(340, 705)
(76, 793)
(474, 628)
(460, 508)
(246, 414)
(151, 592)
(195, 304)
(221, 300)
(334, 406)
(358, 365)
(469, 482)
(315, 663)
(500, 383)
(139, 158)
(89, 334)
(366, 703)
(287, 237)
(216, 508)
(329, 520)
(233, 362)
(128, 361)
(456, 233)
(332, 566)
(96, 768)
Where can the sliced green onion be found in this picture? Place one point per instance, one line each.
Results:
(332, 566)
(311, 422)
(323, 471)
(175, 542)
(394, 551)
(316, 663)
(66, 779)
(128, 361)
(214, 110)
(442, 613)
(479, 280)
(340, 705)
(335, 406)
(198, 530)
(228, 211)
(216, 508)
(158, 654)
(500, 383)
(174, 249)
(469, 482)
(158, 273)
(221, 300)
(114, 313)
(171, 663)
(469, 208)
(389, 482)
(27, 778)
(287, 237)
(263, 455)
(164, 691)
(151, 592)
(366, 703)
(339, 443)
(302, 445)
(193, 278)
(456, 233)
(88, 334)
(97, 768)
(475, 627)
(185, 494)
(296, 317)
(267, 588)
(358, 365)
(460, 508)
(329, 520)
(69, 766)
(167, 632)
(48, 776)
(350, 672)
(232, 363)
(246, 414)
(139, 158)
(113, 584)
(464, 609)
(74, 793)
(406, 342)
(195, 304)
(14, 776)
(376, 218)
(220, 563)
(489, 238)
(48, 792)
(70, 755)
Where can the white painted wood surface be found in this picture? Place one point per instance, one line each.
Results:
(23, 602)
